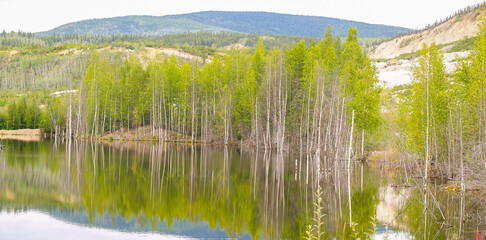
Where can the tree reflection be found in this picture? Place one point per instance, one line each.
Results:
(257, 193)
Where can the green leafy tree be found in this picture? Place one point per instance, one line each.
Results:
(426, 112)
(13, 116)
(359, 83)
(258, 62)
(328, 50)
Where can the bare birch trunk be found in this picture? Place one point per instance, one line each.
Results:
(349, 171)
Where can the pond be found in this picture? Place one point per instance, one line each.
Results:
(139, 190)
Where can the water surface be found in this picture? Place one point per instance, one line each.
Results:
(136, 190)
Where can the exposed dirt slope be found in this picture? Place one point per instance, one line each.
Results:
(452, 30)
(398, 72)
(153, 52)
(24, 132)
(21, 134)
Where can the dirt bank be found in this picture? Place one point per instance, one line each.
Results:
(455, 29)
(143, 134)
(22, 134)
(400, 71)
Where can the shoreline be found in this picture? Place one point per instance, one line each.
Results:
(22, 134)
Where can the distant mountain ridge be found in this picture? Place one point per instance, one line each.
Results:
(223, 21)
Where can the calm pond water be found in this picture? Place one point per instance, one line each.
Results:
(135, 190)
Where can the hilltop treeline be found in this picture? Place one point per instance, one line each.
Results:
(193, 39)
(477, 7)
(458, 13)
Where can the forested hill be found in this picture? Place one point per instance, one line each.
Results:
(286, 24)
(220, 21)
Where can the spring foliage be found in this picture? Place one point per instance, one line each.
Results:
(234, 96)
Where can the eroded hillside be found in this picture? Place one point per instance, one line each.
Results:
(456, 28)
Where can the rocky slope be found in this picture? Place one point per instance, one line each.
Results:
(456, 28)
(398, 72)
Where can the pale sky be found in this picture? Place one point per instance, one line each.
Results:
(42, 15)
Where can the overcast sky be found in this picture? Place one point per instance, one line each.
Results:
(41, 15)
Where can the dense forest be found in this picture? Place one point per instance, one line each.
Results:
(266, 98)
(177, 95)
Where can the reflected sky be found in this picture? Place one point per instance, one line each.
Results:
(39, 225)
